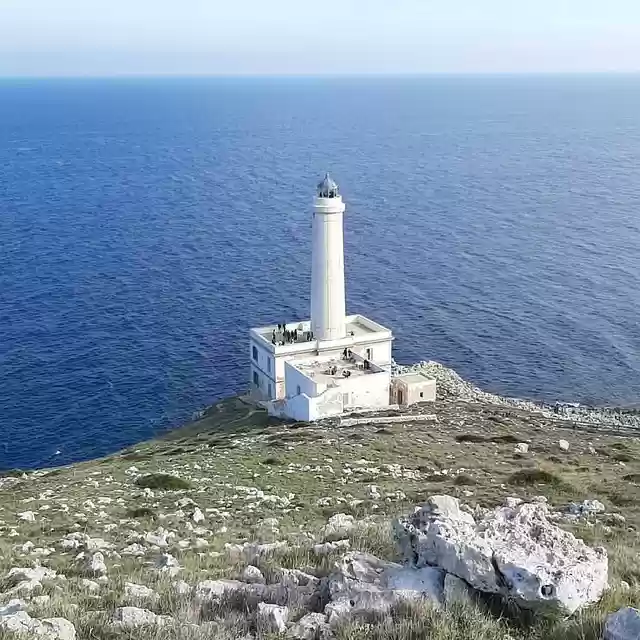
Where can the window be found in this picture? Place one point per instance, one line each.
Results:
(298, 390)
(369, 354)
(254, 352)
(269, 365)
(256, 379)
(269, 387)
(421, 394)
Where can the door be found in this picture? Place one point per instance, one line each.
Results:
(400, 397)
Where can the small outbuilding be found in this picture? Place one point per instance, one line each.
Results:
(412, 388)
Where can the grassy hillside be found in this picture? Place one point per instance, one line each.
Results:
(255, 479)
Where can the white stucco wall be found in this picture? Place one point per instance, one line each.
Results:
(412, 390)
(369, 391)
(295, 379)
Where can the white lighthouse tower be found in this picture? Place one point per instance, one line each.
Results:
(327, 268)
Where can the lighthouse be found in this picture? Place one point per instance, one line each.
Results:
(331, 363)
(328, 314)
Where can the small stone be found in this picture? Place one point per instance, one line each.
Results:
(13, 606)
(624, 624)
(181, 587)
(326, 548)
(522, 447)
(272, 618)
(96, 564)
(564, 445)
(309, 627)
(215, 589)
(89, 585)
(253, 575)
(166, 563)
(133, 618)
(27, 516)
(197, 516)
(132, 590)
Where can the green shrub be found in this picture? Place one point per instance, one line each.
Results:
(525, 477)
(162, 481)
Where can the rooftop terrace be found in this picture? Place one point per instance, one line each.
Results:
(299, 333)
(330, 371)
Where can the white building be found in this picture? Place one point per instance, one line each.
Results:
(332, 363)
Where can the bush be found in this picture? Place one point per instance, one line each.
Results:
(162, 481)
(526, 477)
(463, 480)
(470, 437)
(141, 512)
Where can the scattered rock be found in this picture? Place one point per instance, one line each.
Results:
(586, 508)
(13, 606)
(564, 445)
(27, 516)
(89, 585)
(253, 575)
(22, 624)
(272, 618)
(522, 447)
(214, 589)
(166, 563)
(181, 587)
(197, 516)
(339, 526)
(326, 548)
(622, 625)
(134, 618)
(132, 590)
(313, 626)
(96, 565)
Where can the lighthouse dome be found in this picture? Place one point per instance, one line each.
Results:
(327, 188)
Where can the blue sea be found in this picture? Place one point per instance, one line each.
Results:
(145, 225)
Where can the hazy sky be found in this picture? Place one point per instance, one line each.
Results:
(98, 37)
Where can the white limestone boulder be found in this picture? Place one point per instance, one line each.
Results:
(362, 585)
(512, 551)
(622, 625)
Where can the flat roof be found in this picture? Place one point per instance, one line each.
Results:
(358, 326)
(414, 377)
(320, 370)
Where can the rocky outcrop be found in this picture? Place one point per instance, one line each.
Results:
(513, 551)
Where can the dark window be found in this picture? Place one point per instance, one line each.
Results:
(298, 390)
(421, 394)
(255, 354)
(269, 389)
(256, 379)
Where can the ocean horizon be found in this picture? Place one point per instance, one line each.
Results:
(146, 223)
